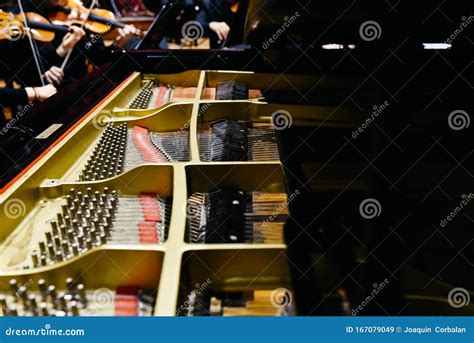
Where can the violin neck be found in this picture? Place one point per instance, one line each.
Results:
(105, 21)
(47, 27)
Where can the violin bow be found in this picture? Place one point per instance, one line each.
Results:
(89, 11)
(33, 46)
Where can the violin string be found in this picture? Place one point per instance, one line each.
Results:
(89, 11)
(32, 45)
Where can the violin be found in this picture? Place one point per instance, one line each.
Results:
(98, 21)
(39, 28)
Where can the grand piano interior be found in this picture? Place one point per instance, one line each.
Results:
(314, 170)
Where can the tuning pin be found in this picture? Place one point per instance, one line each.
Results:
(35, 259)
(43, 260)
(89, 243)
(81, 291)
(44, 309)
(22, 293)
(103, 238)
(43, 288)
(33, 305)
(14, 287)
(75, 249)
(42, 247)
(67, 220)
(52, 293)
(66, 249)
(70, 235)
(59, 256)
(72, 192)
(54, 227)
(51, 251)
(3, 304)
(57, 242)
(62, 305)
(74, 308)
(63, 230)
(49, 237)
(70, 284)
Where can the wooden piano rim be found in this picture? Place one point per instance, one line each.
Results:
(64, 135)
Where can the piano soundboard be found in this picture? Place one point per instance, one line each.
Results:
(167, 199)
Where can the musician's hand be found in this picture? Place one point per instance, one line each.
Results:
(70, 40)
(40, 93)
(125, 35)
(54, 76)
(221, 29)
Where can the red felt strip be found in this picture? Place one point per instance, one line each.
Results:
(142, 141)
(160, 98)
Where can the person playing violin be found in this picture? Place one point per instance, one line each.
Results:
(30, 92)
(91, 49)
